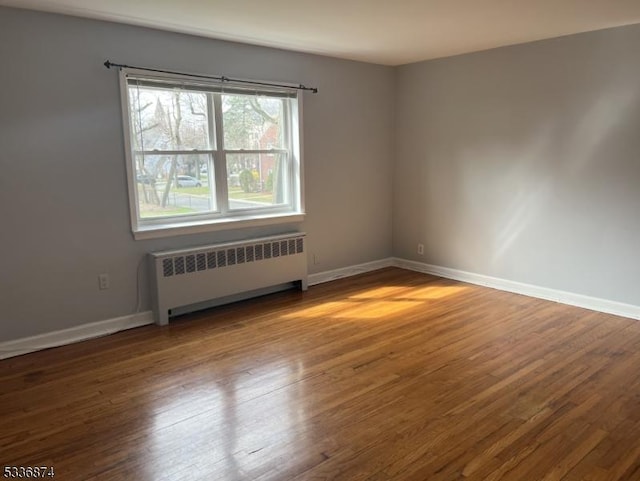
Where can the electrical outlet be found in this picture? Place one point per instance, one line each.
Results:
(421, 249)
(103, 281)
(316, 259)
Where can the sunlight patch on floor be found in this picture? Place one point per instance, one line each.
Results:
(435, 292)
(380, 292)
(328, 308)
(377, 310)
(393, 299)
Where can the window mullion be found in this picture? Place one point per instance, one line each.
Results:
(286, 113)
(219, 157)
(211, 167)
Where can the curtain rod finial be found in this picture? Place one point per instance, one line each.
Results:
(107, 64)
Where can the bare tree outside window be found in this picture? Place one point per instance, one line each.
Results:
(203, 151)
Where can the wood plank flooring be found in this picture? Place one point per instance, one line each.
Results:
(391, 375)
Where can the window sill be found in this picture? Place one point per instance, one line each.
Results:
(186, 228)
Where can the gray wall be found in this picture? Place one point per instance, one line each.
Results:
(520, 163)
(524, 163)
(63, 198)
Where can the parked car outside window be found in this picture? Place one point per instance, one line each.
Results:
(188, 181)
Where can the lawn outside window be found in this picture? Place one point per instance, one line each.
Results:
(208, 155)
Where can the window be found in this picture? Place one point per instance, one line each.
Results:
(205, 155)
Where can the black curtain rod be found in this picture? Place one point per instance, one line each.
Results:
(110, 64)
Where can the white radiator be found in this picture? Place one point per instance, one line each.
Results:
(218, 273)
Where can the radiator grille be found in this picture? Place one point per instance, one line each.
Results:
(178, 262)
(201, 262)
(224, 257)
(191, 263)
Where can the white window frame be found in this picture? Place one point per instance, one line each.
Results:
(224, 218)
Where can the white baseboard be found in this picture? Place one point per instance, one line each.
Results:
(73, 334)
(332, 275)
(111, 326)
(593, 303)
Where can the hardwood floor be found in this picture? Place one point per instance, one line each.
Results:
(391, 375)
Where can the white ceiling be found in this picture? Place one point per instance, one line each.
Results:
(378, 31)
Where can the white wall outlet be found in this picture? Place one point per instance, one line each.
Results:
(103, 281)
(421, 249)
(316, 259)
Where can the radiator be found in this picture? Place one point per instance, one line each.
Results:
(185, 279)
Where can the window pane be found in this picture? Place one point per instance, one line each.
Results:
(166, 119)
(252, 123)
(174, 185)
(257, 180)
